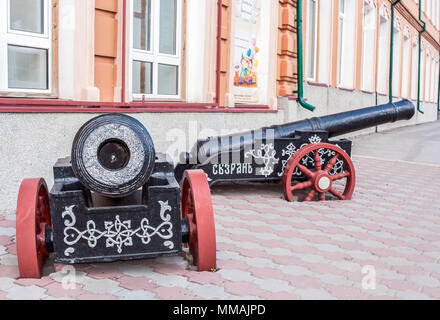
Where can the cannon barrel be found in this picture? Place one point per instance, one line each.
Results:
(335, 125)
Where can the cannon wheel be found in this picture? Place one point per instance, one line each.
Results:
(197, 208)
(33, 214)
(319, 181)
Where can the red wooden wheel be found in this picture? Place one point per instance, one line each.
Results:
(319, 180)
(197, 208)
(33, 214)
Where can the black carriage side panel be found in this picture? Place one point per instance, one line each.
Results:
(146, 225)
(266, 160)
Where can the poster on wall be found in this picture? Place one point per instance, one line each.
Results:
(246, 51)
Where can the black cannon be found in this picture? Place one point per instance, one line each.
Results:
(114, 199)
(299, 153)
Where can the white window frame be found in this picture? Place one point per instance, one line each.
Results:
(406, 65)
(397, 59)
(368, 71)
(432, 86)
(313, 54)
(24, 39)
(383, 54)
(422, 73)
(154, 56)
(346, 45)
(414, 68)
(427, 75)
(325, 41)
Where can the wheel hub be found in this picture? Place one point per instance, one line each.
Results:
(323, 182)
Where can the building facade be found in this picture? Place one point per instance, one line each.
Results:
(185, 66)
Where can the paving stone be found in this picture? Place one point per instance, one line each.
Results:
(136, 283)
(135, 295)
(137, 271)
(8, 260)
(7, 231)
(425, 281)
(236, 275)
(6, 283)
(336, 280)
(56, 289)
(102, 286)
(208, 291)
(57, 298)
(314, 294)
(44, 281)
(275, 286)
(169, 280)
(412, 295)
(91, 296)
(26, 293)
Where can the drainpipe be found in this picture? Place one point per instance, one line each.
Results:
(420, 51)
(392, 50)
(299, 55)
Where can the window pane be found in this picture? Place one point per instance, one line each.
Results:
(27, 15)
(168, 79)
(168, 15)
(142, 77)
(27, 68)
(142, 24)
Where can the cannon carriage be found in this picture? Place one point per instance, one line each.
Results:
(302, 155)
(114, 199)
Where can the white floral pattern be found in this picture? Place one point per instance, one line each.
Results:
(267, 154)
(309, 159)
(116, 233)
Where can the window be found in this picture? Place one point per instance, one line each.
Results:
(325, 37)
(368, 46)
(422, 73)
(383, 57)
(432, 85)
(156, 49)
(427, 76)
(414, 69)
(312, 29)
(428, 9)
(396, 60)
(406, 65)
(436, 81)
(346, 45)
(25, 46)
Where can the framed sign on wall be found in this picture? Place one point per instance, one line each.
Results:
(251, 49)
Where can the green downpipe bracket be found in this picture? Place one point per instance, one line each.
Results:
(420, 52)
(299, 55)
(392, 50)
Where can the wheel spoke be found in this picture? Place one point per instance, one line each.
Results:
(305, 170)
(301, 186)
(337, 193)
(331, 163)
(310, 195)
(318, 166)
(322, 196)
(340, 176)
